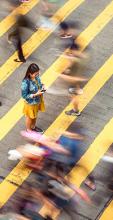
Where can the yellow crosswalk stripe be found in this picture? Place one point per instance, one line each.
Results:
(8, 121)
(108, 213)
(37, 38)
(90, 159)
(9, 21)
(94, 153)
(20, 173)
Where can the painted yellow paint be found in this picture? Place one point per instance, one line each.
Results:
(36, 39)
(108, 212)
(8, 121)
(20, 173)
(99, 22)
(9, 21)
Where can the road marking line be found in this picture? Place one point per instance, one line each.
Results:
(89, 160)
(9, 21)
(94, 153)
(108, 212)
(20, 173)
(8, 121)
(36, 39)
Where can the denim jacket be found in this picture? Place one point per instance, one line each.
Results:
(30, 87)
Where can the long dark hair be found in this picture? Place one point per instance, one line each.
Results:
(33, 68)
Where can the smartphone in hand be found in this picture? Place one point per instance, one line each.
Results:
(43, 90)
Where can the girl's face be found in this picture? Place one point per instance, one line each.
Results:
(34, 75)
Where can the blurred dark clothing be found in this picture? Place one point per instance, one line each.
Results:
(16, 35)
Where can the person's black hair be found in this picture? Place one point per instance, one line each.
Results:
(69, 24)
(64, 26)
(33, 68)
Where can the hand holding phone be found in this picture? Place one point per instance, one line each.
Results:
(43, 90)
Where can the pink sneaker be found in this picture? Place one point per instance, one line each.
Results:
(33, 135)
(24, 1)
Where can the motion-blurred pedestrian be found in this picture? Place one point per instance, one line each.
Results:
(74, 99)
(77, 59)
(16, 35)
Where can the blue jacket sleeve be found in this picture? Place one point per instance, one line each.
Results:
(25, 90)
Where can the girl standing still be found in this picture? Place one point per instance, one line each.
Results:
(32, 93)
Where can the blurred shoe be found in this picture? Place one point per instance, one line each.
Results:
(108, 159)
(91, 185)
(73, 113)
(38, 130)
(23, 60)
(14, 155)
(75, 91)
(64, 36)
(0, 104)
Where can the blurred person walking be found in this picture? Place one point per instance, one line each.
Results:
(74, 98)
(32, 93)
(74, 65)
(15, 36)
(55, 192)
(61, 89)
(77, 59)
